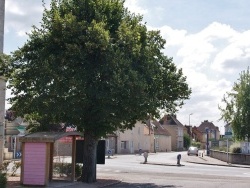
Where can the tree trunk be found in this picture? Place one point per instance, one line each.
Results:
(89, 158)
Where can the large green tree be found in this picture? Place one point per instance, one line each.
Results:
(94, 64)
(236, 108)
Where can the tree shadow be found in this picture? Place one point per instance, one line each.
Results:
(140, 185)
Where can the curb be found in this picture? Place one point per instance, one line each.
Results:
(116, 182)
(212, 164)
(163, 164)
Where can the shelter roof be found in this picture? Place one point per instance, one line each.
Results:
(47, 136)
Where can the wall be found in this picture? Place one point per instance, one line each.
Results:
(245, 147)
(233, 158)
(176, 133)
(164, 143)
(173, 132)
(34, 172)
(135, 139)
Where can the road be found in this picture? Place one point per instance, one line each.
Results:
(132, 173)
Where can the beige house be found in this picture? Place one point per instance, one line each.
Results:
(175, 129)
(131, 141)
(208, 128)
(162, 138)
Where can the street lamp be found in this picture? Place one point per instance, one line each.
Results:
(189, 118)
(207, 142)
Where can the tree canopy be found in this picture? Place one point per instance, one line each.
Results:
(94, 64)
(237, 107)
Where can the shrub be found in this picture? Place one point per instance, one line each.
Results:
(16, 165)
(187, 141)
(3, 180)
(65, 169)
(235, 148)
(196, 144)
(4, 166)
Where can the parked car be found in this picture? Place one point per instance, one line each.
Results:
(193, 151)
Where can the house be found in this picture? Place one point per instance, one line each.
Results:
(175, 128)
(208, 128)
(140, 137)
(162, 138)
(187, 129)
(197, 134)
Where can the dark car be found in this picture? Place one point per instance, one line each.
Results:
(193, 151)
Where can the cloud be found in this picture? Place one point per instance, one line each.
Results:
(234, 57)
(21, 15)
(207, 57)
(132, 6)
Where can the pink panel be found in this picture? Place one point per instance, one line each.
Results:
(34, 164)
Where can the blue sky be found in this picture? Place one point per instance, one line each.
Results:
(209, 40)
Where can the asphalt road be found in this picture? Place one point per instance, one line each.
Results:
(132, 173)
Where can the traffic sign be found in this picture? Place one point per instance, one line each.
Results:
(18, 154)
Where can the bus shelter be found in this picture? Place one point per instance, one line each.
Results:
(37, 156)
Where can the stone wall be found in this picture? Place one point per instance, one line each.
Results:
(233, 158)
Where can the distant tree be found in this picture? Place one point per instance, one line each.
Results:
(237, 107)
(187, 141)
(5, 63)
(93, 64)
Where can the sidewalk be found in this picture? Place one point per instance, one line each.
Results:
(201, 159)
(14, 182)
(206, 160)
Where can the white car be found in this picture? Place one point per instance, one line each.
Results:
(193, 151)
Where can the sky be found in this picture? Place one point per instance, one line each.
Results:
(209, 40)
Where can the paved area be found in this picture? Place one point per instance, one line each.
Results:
(14, 182)
(206, 160)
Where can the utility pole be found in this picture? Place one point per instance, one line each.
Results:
(190, 127)
(2, 83)
(189, 119)
(2, 12)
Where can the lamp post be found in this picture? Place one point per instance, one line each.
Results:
(189, 119)
(207, 142)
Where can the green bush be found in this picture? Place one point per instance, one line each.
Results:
(187, 141)
(3, 174)
(236, 150)
(196, 144)
(3, 180)
(65, 169)
(219, 148)
(16, 165)
(4, 166)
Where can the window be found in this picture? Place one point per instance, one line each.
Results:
(123, 145)
(13, 143)
(156, 142)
